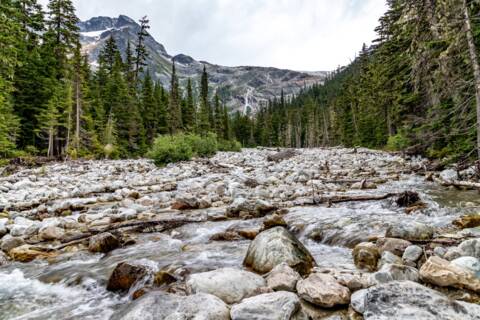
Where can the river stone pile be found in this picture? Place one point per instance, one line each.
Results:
(49, 211)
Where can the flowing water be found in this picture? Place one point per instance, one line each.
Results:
(72, 286)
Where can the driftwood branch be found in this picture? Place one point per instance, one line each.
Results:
(458, 184)
(341, 199)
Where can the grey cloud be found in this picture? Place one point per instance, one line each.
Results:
(296, 34)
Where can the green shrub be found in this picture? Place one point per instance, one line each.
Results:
(398, 142)
(167, 149)
(205, 146)
(229, 145)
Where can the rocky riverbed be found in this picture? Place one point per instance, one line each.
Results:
(304, 234)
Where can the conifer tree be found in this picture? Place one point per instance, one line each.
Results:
(189, 112)
(140, 50)
(204, 121)
(174, 107)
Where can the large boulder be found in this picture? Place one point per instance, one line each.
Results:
(366, 256)
(442, 273)
(230, 285)
(126, 274)
(275, 246)
(283, 278)
(161, 305)
(470, 248)
(269, 306)
(103, 242)
(411, 231)
(185, 202)
(406, 300)
(323, 290)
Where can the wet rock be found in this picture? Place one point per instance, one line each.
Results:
(226, 236)
(186, 202)
(407, 199)
(274, 306)
(161, 305)
(230, 285)
(9, 242)
(283, 278)
(406, 300)
(449, 175)
(275, 246)
(411, 231)
(3, 259)
(323, 290)
(366, 256)
(51, 233)
(468, 221)
(412, 254)
(164, 277)
(249, 234)
(395, 272)
(354, 282)
(103, 242)
(244, 208)
(27, 253)
(23, 227)
(468, 263)
(3, 227)
(395, 246)
(470, 248)
(273, 221)
(442, 273)
(125, 275)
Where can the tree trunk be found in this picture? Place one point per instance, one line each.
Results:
(475, 67)
(50, 142)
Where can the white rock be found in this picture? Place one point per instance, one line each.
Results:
(270, 306)
(323, 290)
(230, 285)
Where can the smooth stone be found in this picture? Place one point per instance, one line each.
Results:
(230, 285)
(389, 258)
(51, 233)
(275, 246)
(161, 305)
(442, 273)
(323, 290)
(270, 306)
(127, 274)
(103, 242)
(358, 300)
(283, 278)
(366, 256)
(411, 231)
(406, 300)
(470, 248)
(412, 253)
(469, 263)
(9, 242)
(395, 272)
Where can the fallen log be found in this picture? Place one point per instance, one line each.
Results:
(341, 199)
(458, 184)
(282, 155)
(166, 225)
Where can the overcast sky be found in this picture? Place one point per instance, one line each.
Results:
(314, 35)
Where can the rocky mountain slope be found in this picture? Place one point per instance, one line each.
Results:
(242, 88)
